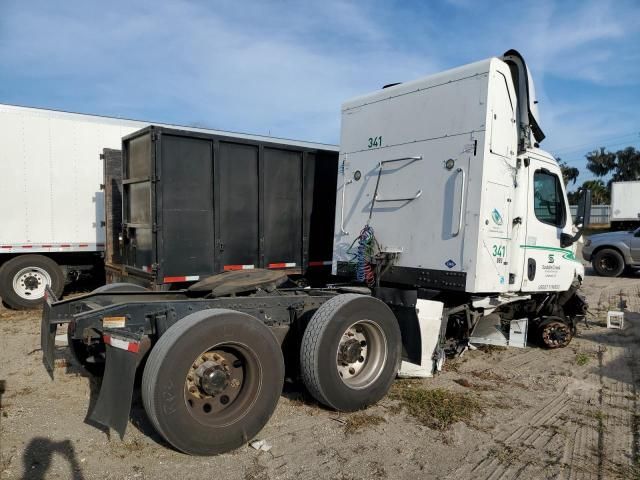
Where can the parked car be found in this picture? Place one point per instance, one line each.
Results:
(612, 252)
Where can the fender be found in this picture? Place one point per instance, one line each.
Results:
(431, 323)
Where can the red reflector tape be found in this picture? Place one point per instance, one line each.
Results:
(228, 268)
(320, 263)
(189, 278)
(281, 265)
(121, 344)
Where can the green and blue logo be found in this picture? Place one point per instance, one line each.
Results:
(496, 217)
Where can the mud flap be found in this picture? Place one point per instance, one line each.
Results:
(124, 352)
(430, 321)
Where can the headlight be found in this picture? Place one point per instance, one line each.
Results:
(587, 242)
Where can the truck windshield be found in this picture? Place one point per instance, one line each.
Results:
(548, 201)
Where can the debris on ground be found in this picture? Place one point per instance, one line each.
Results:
(261, 445)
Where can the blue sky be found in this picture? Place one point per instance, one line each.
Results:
(284, 67)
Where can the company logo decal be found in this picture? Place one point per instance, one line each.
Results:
(496, 217)
(450, 263)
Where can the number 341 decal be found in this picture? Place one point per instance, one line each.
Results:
(375, 142)
(499, 250)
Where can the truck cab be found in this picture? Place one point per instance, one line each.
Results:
(447, 173)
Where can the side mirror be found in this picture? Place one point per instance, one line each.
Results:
(583, 215)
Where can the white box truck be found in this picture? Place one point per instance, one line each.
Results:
(451, 228)
(625, 205)
(51, 204)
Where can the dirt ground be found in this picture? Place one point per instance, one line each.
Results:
(499, 413)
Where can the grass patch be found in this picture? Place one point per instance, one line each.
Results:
(490, 376)
(491, 348)
(582, 359)
(437, 408)
(359, 421)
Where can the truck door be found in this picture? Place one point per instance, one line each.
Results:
(495, 236)
(547, 266)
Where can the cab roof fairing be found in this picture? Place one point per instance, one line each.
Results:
(513, 57)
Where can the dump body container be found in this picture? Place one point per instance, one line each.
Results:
(195, 204)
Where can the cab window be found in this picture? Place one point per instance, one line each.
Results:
(548, 201)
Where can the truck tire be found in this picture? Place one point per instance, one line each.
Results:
(350, 352)
(120, 287)
(23, 279)
(212, 381)
(608, 263)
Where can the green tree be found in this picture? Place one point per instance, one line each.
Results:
(599, 192)
(622, 165)
(569, 174)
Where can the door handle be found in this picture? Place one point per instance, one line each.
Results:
(344, 188)
(461, 213)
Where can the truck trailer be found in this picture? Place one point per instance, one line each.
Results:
(625, 205)
(51, 201)
(451, 228)
(197, 204)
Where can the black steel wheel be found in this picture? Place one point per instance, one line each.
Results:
(350, 352)
(608, 263)
(555, 333)
(212, 381)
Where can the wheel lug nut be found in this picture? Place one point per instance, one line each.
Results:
(352, 370)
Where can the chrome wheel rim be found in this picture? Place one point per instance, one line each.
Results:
(361, 354)
(222, 384)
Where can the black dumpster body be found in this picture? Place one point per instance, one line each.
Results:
(195, 204)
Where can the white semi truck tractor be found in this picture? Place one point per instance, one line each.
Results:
(451, 228)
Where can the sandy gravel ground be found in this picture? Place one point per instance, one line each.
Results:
(571, 413)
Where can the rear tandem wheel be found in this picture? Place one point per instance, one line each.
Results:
(212, 381)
